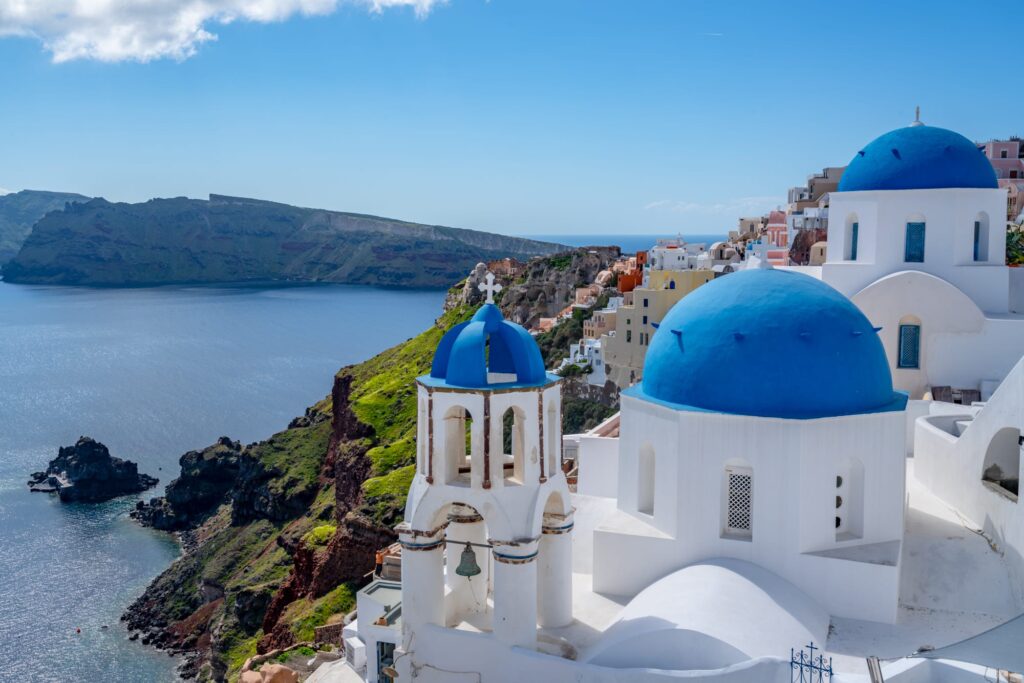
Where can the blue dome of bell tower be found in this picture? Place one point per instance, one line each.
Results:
(488, 351)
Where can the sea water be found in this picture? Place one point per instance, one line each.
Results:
(151, 373)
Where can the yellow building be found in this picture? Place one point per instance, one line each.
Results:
(624, 351)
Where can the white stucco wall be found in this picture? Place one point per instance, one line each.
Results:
(952, 468)
(598, 459)
(795, 463)
(960, 345)
(949, 215)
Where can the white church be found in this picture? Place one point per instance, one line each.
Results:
(818, 473)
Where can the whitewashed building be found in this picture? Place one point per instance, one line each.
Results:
(736, 510)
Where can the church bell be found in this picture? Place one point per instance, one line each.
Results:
(467, 563)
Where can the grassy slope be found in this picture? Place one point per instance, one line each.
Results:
(384, 397)
(248, 558)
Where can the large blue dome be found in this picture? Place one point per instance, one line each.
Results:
(768, 343)
(474, 353)
(918, 157)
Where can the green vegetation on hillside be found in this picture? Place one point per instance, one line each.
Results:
(384, 397)
(284, 500)
(554, 344)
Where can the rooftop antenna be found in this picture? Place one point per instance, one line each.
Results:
(917, 116)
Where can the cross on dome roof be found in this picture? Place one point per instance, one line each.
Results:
(490, 287)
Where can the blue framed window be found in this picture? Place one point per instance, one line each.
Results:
(854, 230)
(645, 303)
(910, 346)
(914, 252)
(645, 320)
(671, 284)
(980, 242)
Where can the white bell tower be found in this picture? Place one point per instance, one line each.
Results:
(487, 538)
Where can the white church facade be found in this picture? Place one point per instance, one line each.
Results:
(917, 239)
(737, 511)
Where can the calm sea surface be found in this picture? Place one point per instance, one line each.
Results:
(151, 373)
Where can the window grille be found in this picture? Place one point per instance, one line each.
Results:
(910, 346)
(740, 495)
(914, 252)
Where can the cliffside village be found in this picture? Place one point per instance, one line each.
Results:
(667, 542)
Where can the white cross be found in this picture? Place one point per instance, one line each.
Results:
(490, 287)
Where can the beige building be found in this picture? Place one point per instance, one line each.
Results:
(602, 322)
(625, 349)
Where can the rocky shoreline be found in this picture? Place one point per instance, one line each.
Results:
(253, 576)
(87, 473)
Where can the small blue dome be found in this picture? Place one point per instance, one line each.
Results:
(918, 158)
(469, 352)
(768, 343)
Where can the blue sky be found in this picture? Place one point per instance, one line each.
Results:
(517, 116)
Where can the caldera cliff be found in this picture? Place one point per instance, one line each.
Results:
(279, 534)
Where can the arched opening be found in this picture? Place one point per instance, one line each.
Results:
(849, 500)
(458, 445)
(554, 564)
(908, 355)
(981, 237)
(738, 501)
(422, 445)
(646, 462)
(513, 446)
(852, 236)
(1001, 469)
(913, 248)
(553, 450)
(468, 567)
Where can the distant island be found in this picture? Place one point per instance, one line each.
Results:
(19, 211)
(231, 239)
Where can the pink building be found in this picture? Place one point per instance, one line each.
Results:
(775, 231)
(1007, 158)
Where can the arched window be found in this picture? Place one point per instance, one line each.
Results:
(513, 442)
(738, 502)
(645, 480)
(458, 445)
(553, 451)
(1001, 469)
(909, 350)
(913, 250)
(422, 447)
(671, 284)
(849, 502)
(852, 236)
(981, 237)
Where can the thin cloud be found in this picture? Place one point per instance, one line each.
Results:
(731, 207)
(4, 191)
(145, 30)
